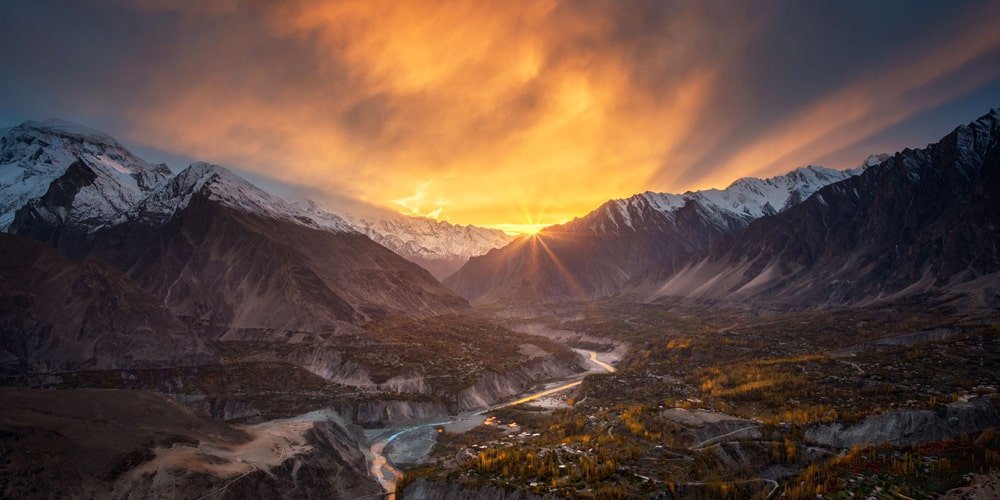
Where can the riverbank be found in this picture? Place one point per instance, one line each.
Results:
(387, 474)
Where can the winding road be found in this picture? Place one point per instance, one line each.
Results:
(713, 441)
(387, 474)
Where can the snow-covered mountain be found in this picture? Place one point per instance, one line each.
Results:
(59, 182)
(206, 243)
(922, 222)
(595, 254)
(214, 247)
(101, 179)
(873, 160)
(438, 246)
(230, 190)
(745, 200)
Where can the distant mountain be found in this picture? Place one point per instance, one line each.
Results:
(217, 249)
(57, 314)
(60, 181)
(873, 160)
(438, 246)
(925, 221)
(594, 255)
(209, 245)
(226, 188)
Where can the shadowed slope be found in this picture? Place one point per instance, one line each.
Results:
(206, 249)
(594, 255)
(923, 221)
(57, 314)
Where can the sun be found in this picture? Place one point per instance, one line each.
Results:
(530, 229)
(533, 229)
(519, 229)
(534, 220)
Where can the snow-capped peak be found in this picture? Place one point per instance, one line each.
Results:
(63, 128)
(744, 200)
(424, 238)
(873, 160)
(34, 154)
(222, 186)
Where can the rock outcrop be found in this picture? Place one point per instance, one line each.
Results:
(910, 427)
(57, 314)
(86, 443)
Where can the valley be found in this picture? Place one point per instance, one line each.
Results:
(818, 333)
(388, 475)
(687, 412)
(700, 401)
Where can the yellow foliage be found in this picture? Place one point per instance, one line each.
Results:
(679, 344)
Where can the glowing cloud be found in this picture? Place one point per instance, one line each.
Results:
(506, 114)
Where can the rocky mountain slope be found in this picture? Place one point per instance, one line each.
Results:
(57, 314)
(438, 246)
(215, 248)
(210, 245)
(207, 263)
(92, 443)
(60, 181)
(594, 255)
(923, 221)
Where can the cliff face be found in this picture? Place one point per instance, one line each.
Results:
(922, 222)
(911, 427)
(57, 314)
(429, 393)
(131, 444)
(493, 388)
(374, 413)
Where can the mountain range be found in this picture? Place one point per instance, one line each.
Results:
(594, 255)
(438, 246)
(210, 246)
(221, 253)
(922, 221)
(239, 305)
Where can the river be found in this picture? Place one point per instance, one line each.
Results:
(387, 474)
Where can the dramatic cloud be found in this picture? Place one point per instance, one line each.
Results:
(510, 114)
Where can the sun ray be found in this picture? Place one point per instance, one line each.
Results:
(574, 286)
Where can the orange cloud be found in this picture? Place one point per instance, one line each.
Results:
(504, 114)
(872, 103)
(478, 112)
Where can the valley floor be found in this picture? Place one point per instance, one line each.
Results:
(715, 401)
(382, 467)
(666, 401)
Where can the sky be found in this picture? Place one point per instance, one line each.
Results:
(509, 114)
